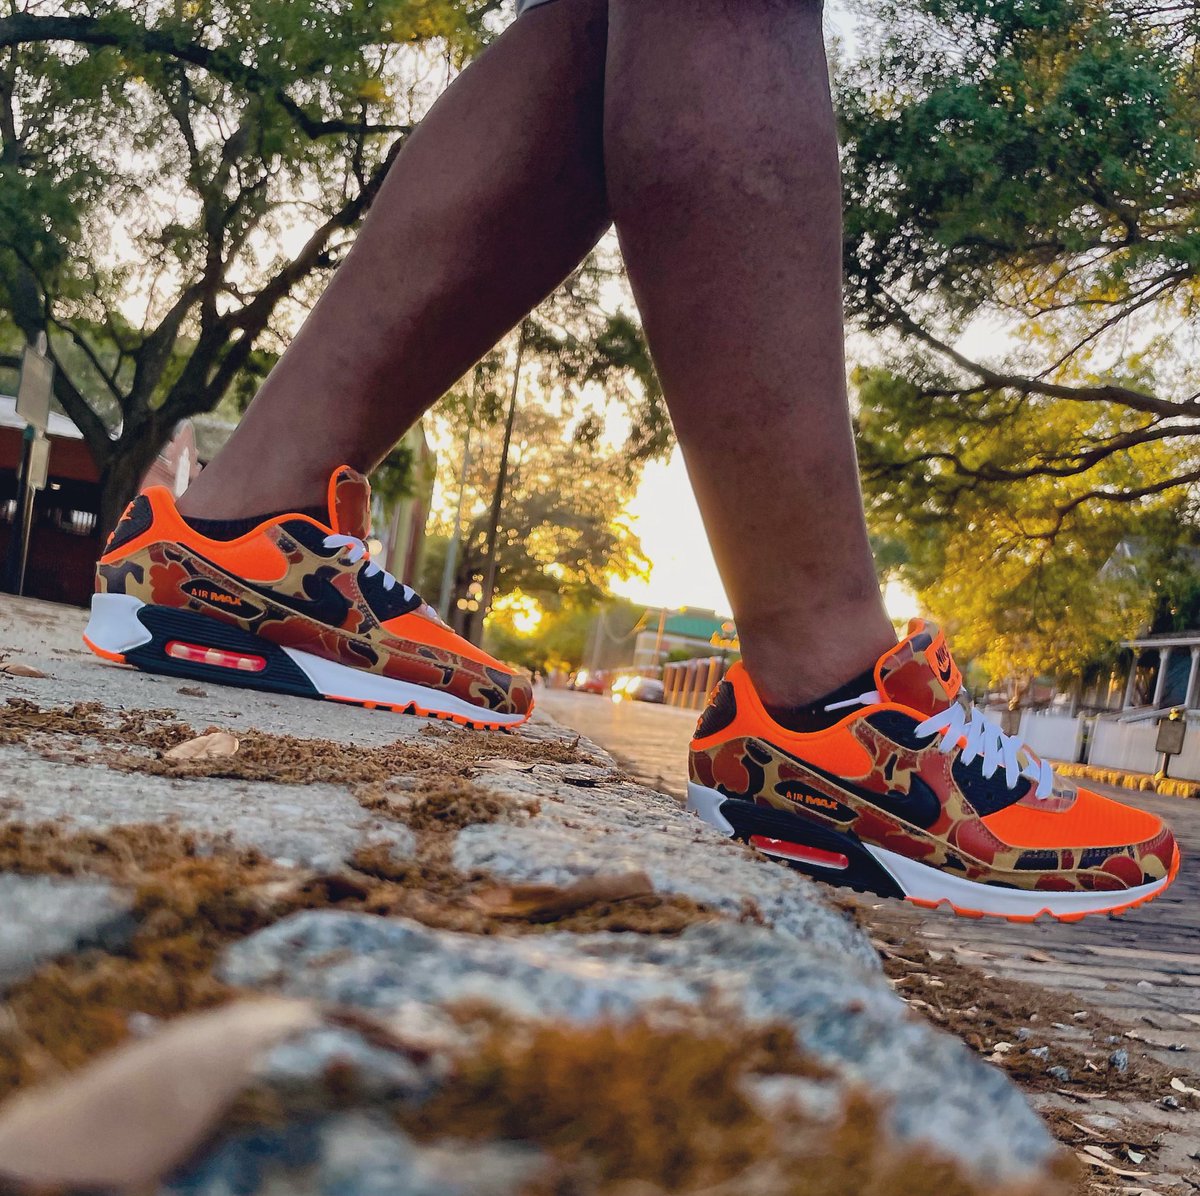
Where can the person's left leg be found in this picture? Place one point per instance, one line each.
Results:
(260, 577)
(829, 745)
(497, 196)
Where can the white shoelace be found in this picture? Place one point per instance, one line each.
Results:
(983, 738)
(356, 551)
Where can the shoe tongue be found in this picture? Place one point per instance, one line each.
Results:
(919, 671)
(349, 503)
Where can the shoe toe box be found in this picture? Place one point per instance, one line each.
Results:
(1099, 839)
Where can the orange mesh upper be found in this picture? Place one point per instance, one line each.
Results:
(1091, 821)
(349, 501)
(834, 748)
(416, 627)
(252, 556)
(257, 558)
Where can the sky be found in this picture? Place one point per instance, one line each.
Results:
(668, 521)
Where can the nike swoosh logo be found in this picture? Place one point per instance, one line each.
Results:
(920, 806)
(322, 602)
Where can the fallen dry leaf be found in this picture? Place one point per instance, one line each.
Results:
(1039, 957)
(16, 669)
(544, 903)
(1180, 1086)
(1103, 1166)
(499, 764)
(1099, 1152)
(212, 746)
(126, 1120)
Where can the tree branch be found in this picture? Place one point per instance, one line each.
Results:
(117, 30)
(996, 380)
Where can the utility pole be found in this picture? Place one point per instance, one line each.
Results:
(33, 405)
(452, 548)
(658, 640)
(489, 577)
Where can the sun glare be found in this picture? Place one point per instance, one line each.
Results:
(523, 612)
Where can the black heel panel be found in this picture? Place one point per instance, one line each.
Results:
(279, 674)
(863, 871)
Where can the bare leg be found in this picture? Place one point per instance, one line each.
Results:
(721, 155)
(495, 199)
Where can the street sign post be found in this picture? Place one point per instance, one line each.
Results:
(1169, 741)
(33, 405)
(37, 384)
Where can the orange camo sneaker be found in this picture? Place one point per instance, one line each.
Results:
(294, 606)
(914, 794)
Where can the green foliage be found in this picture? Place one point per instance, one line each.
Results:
(583, 346)
(561, 530)
(395, 477)
(154, 163)
(1023, 237)
(589, 414)
(1173, 571)
(559, 641)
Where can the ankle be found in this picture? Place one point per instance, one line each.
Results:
(798, 660)
(215, 495)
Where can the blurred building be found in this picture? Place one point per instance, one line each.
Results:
(686, 630)
(65, 537)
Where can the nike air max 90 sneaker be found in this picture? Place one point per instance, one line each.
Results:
(294, 606)
(912, 793)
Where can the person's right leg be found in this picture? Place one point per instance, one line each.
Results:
(722, 167)
(494, 200)
(723, 180)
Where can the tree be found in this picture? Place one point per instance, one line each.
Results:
(560, 639)
(1023, 244)
(588, 414)
(173, 176)
(561, 535)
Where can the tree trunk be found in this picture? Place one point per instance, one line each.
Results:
(121, 475)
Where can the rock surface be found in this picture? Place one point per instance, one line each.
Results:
(316, 826)
(42, 917)
(355, 1155)
(779, 952)
(844, 1015)
(592, 822)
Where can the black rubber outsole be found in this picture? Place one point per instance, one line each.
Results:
(282, 675)
(863, 873)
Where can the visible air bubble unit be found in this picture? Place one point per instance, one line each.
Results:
(798, 853)
(239, 661)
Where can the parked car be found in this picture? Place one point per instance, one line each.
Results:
(637, 689)
(586, 682)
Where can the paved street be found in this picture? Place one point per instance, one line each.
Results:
(1143, 968)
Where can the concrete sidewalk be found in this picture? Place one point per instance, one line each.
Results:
(1142, 970)
(426, 898)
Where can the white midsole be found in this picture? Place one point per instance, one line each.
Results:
(341, 681)
(114, 627)
(924, 883)
(706, 804)
(932, 884)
